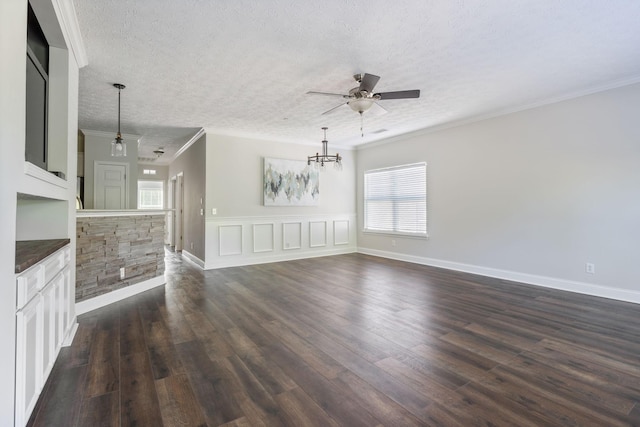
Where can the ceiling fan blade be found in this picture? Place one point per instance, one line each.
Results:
(311, 92)
(376, 110)
(368, 82)
(402, 94)
(334, 108)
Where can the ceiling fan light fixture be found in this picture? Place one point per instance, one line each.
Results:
(119, 145)
(360, 105)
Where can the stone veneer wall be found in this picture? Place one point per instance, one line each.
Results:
(105, 244)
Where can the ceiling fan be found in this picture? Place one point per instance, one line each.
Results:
(362, 97)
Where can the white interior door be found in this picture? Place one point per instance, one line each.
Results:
(110, 185)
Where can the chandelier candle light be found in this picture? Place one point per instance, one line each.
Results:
(320, 159)
(118, 145)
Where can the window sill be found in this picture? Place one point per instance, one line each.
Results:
(397, 234)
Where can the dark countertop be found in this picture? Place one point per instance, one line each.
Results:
(30, 252)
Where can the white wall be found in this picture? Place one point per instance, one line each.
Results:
(72, 156)
(162, 172)
(58, 112)
(530, 196)
(13, 45)
(97, 147)
(235, 187)
(38, 219)
(192, 165)
(244, 231)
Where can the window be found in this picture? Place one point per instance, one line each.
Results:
(395, 200)
(150, 194)
(149, 171)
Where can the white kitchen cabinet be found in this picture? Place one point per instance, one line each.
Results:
(42, 322)
(67, 308)
(28, 358)
(48, 323)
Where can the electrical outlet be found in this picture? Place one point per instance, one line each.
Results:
(121, 272)
(393, 242)
(590, 268)
(214, 211)
(191, 245)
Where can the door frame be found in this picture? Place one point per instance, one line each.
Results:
(177, 183)
(171, 205)
(97, 163)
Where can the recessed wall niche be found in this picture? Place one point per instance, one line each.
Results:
(39, 218)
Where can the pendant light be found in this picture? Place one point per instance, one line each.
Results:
(320, 160)
(118, 145)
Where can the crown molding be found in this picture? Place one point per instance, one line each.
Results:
(189, 143)
(69, 24)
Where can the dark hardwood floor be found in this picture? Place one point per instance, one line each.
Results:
(349, 340)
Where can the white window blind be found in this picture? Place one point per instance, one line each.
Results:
(395, 200)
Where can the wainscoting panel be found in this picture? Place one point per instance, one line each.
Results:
(341, 232)
(234, 241)
(317, 234)
(291, 235)
(230, 240)
(263, 237)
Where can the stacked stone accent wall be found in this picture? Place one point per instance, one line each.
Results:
(106, 244)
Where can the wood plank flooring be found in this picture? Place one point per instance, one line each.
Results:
(349, 340)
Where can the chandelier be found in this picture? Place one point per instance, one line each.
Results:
(320, 160)
(118, 145)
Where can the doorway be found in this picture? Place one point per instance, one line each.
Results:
(176, 200)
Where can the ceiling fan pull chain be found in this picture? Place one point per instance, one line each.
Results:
(361, 125)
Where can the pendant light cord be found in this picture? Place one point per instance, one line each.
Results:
(119, 90)
(119, 86)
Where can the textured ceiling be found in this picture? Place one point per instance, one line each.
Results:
(243, 67)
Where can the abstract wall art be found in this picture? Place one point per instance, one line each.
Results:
(290, 183)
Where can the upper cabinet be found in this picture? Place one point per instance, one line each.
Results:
(53, 53)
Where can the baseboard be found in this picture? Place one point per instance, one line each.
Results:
(86, 306)
(70, 334)
(221, 262)
(192, 258)
(530, 279)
